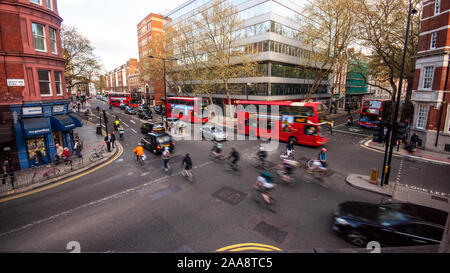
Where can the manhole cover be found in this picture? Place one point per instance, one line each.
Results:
(230, 195)
(270, 232)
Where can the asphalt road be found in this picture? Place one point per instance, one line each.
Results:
(127, 208)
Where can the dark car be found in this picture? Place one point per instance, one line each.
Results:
(147, 127)
(144, 108)
(390, 224)
(160, 110)
(122, 106)
(130, 110)
(156, 142)
(144, 114)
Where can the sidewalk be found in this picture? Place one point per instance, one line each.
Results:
(401, 192)
(418, 155)
(26, 180)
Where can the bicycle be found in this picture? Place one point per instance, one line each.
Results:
(233, 167)
(271, 206)
(287, 179)
(217, 158)
(138, 159)
(49, 172)
(96, 154)
(188, 175)
(258, 163)
(291, 156)
(320, 176)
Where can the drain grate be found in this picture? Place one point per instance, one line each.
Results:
(271, 232)
(230, 195)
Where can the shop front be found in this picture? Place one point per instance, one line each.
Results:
(39, 127)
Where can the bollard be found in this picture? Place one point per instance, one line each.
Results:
(373, 176)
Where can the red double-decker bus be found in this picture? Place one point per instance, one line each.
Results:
(131, 99)
(373, 110)
(303, 122)
(187, 109)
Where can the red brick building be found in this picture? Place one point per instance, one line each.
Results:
(118, 80)
(34, 103)
(431, 101)
(150, 36)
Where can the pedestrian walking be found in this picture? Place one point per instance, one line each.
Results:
(330, 126)
(113, 139)
(59, 152)
(38, 158)
(108, 142)
(78, 147)
(7, 171)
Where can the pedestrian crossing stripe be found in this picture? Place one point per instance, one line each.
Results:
(248, 246)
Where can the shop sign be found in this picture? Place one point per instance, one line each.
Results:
(58, 108)
(15, 82)
(31, 110)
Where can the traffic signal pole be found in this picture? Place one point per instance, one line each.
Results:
(387, 166)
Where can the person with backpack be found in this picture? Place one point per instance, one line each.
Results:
(78, 147)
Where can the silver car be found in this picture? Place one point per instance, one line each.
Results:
(211, 132)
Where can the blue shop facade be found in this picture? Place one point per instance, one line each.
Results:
(40, 126)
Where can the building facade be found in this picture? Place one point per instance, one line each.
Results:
(271, 29)
(150, 33)
(430, 90)
(118, 80)
(34, 103)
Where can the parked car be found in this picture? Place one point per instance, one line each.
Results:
(130, 110)
(144, 114)
(160, 110)
(157, 141)
(390, 224)
(122, 106)
(211, 132)
(147, 127)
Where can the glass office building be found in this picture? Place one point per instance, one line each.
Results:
(271, 29)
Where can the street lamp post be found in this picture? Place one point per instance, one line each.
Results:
(392, 135)
(164, 75)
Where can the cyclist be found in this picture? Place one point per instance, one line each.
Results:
(323, 157)
(317, 166)
(139, 150)
(234, 155)
(187, 163)
(262, 155)
(166, 157)
(290, 148)
(116, 123)
(217, 150)
(263, 185)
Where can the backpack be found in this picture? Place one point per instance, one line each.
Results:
(80, 146)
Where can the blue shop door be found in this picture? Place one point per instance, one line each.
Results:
(35, 144)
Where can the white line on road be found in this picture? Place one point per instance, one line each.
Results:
(132, 121)
(133, 130)
(126, 124)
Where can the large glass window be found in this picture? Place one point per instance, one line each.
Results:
(49, 4)
(53, 45)
(39, 37)
(44, 82)
(36, 2)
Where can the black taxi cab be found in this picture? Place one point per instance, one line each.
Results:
(157, 140)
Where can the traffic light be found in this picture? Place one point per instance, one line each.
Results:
(400, 131)
(378, 133)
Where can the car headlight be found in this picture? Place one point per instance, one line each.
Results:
(341, 221)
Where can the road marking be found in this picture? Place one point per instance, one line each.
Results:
(126, 124)
(133, 130)
(132, 121)
(248, 246)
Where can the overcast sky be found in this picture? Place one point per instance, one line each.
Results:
(111, 24)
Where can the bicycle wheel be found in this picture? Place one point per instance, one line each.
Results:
(94, 157)
(310, 163)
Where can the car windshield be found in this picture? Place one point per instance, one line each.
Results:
(163, 139)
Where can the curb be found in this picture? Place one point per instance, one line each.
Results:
(366, 189)
(31, 187)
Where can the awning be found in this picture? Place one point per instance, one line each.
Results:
(33, 127)
(78, 122)
(62, 123)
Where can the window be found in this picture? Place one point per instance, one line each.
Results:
(433, 40)
(427, 79)
(437, 6)
(39, 37)
(58, 83)
(53, 41)
(44, 82)
(36, 2)
(422, 116)
(49, 4)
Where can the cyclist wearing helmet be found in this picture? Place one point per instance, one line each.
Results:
(234, 155)
(187, 162)
(263, 185)
(290, 148)
(323, 157)
(217, 149)
(139, 150)
(262, 154)
(166, 157)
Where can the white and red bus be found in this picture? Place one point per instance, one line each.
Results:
(374, 110)
(303, 122)
(187, 109)
(131, 99)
